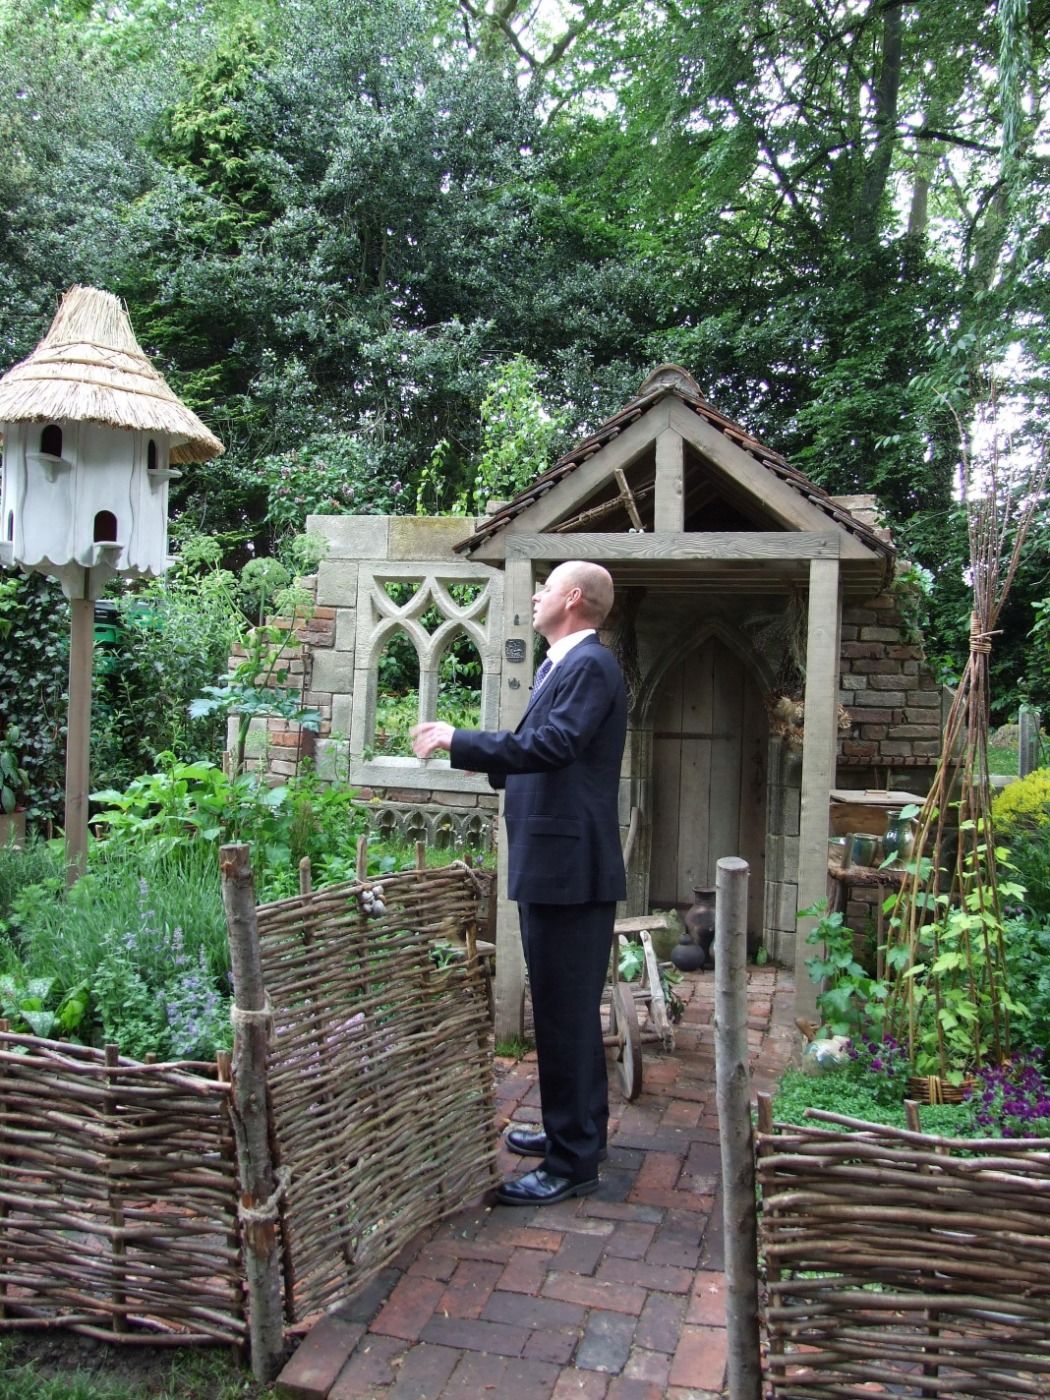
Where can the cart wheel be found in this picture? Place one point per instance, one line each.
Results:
(612, 1028)
(630, 1055)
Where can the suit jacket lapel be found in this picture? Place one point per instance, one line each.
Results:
(546, 688)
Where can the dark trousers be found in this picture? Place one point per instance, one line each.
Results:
(567, 948)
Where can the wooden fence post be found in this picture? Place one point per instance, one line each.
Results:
(1028, 741)
(733, 1098)
(250, 1112)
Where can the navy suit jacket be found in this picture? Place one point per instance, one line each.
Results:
(561, 772)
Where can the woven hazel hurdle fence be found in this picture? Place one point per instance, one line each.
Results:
(177, 1203)
(118, 1196)
(380, 1075)
(897, 1259)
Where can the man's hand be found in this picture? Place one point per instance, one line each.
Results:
(428, 738)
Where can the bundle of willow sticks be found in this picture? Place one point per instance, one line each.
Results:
(904, 1260)
(118, 1196)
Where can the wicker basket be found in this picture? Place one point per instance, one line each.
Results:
(931, 1088)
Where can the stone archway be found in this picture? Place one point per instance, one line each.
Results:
(710, 739)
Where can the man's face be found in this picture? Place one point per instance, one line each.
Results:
(550, 611)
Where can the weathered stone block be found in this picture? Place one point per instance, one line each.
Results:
(333, 671)
(337, 582)
(781, 856)
(352, 537)
(857, 748)
(880, 634)
(781, 904)
(331, 760)
(342, 710)
(345, 629)
(785, 805)
(426, 537)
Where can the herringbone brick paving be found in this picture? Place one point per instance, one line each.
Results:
(615, 1296)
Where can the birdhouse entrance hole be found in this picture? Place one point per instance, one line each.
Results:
(105, 527)
(51, 440)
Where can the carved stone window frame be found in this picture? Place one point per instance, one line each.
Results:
(379, 618)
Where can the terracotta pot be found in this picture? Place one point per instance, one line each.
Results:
(700, 922)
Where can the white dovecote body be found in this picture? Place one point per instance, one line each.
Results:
(84, 496)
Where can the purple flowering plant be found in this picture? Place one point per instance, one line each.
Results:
(1012, 1099)
(882, 1065)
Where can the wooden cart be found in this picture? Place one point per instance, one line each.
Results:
(625, 1029)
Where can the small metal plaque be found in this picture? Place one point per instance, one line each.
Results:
(514, 649)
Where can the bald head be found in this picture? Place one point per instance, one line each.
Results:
(577, 595)
(596, 590)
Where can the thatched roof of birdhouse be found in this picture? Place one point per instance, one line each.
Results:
(89, 368)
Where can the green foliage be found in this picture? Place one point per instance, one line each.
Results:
(850, 1000)
(176, 637)
(1021, 816)
(187, 804)
(458, 705)
(517, 432)
(850, 1091)
(951, 1000)
(33, 1006)
(34, 668)
(1024, 806)
(328, 474)
(334, 225)
(1028, 964)
(13, 777)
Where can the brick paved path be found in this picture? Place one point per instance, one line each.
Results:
(615, 1296)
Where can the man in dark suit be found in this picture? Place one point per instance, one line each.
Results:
(561, 770)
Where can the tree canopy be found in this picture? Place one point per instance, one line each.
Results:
(342, 228)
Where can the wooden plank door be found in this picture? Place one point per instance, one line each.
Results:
(710, 736)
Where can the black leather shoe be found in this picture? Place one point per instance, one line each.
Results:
(527, 1144)
(540, 1188)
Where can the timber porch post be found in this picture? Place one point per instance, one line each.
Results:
(821, 703)
(514, 696)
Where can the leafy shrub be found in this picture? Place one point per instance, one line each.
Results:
(1023, 806)
(163, 813)
(34, 674)
(850, 1000)
(1028, 967)
(176, 635)
(329, 474)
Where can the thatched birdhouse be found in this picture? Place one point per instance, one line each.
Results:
(92, 436)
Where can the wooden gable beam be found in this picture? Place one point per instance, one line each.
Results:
(678, 551)
(567, 496)
(772, 495)
(670, 481)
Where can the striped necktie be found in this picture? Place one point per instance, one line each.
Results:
(545, 668)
